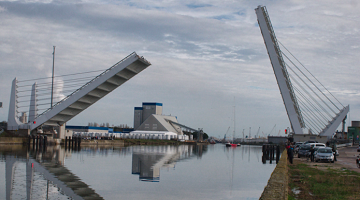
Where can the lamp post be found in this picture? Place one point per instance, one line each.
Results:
(52, 81)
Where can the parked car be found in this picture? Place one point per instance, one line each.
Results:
(304, 151)
(311, 141)
(317, 144)
(358, 149)
(296, 147)
(324, 154)
(316, 149)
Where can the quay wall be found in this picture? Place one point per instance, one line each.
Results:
(13, 140)
(277, 187)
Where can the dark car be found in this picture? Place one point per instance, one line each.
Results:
(304, 151)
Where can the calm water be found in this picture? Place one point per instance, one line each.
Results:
(136, 172)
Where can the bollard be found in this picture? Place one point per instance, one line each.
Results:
(75, 142)
(66, 141)
(69, 142)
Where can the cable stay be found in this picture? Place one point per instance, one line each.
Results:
(313, 76)
(307, 104)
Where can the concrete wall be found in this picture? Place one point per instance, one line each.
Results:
(138, 111)
(277, 140)
(13, 140)
(307, 137)
(150, 109)
(277, 187)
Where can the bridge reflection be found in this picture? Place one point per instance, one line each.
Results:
(30, 166)
(147, 160)
(49, 163)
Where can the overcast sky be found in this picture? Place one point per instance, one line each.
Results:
(207, 56)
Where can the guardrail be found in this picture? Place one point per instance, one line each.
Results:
(344, 145)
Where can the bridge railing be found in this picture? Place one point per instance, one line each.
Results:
(86, 84)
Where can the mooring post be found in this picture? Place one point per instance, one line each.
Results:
(79, 141)
(29, 140)
(72, 142)
(37, 141)
(75, 141)
(273, 151)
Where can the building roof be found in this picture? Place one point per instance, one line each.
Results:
(153, 132)
(151, 104)
(162, 124)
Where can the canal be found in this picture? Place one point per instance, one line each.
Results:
(134, 172)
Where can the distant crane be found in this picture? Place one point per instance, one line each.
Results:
(272, 129)
(258, 132)
(226, 133)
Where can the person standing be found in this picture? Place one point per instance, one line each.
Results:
(291, 154)
(334, 151)
(312, 151)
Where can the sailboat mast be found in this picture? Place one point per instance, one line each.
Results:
(234, 121)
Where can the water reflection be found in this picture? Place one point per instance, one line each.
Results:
(47, 166)
(147, 160)
(42, 170)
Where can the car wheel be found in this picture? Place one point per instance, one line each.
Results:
(332, 161)
(298, 156)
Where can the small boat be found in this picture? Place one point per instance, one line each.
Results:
(212, 142)
(229, 144)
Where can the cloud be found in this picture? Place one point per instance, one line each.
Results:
(203, 54)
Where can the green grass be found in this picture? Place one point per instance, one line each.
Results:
(323, 184)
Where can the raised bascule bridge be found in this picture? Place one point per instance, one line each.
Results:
(310, 107)
(75, 102)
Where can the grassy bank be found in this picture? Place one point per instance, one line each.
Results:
(310, 182)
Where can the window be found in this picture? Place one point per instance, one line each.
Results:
(147, 126)
(154, 127)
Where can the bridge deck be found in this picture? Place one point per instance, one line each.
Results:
(92, 91)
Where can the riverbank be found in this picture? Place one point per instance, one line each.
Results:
(277, 187)
(116, 142)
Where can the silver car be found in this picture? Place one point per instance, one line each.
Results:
(324, 154)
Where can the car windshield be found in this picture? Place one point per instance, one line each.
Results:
(325, 150)
(305, 147)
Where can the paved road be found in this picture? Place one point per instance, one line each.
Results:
(347, 158)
